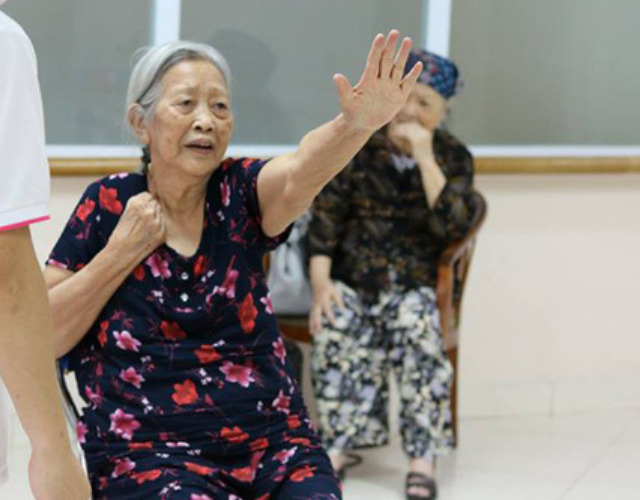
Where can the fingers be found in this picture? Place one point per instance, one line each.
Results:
(315, 320)
(337, 298)
(372, 69)
(386, 59)
(409, 81)
(401, 59)
(344, 89)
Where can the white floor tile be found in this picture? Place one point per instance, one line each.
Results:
(619, 466)
(595, 491)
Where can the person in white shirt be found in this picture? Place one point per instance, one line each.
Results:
(26, 353)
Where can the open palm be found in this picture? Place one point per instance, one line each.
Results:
(382, 89)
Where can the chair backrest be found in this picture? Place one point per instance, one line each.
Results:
(453, 270)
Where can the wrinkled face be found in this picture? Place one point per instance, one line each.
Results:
(424, 106)
(192, 125)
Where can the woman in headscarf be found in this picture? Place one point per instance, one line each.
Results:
(374, 240)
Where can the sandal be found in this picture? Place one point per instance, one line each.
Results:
(418, 480)
(353, 460)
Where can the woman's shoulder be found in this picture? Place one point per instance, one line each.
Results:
(113, 191)
(446, 139)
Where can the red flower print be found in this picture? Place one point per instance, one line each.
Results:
(225, 192)
(109, 200)
(281, 403)
(279, 350)
(234, 435)
(83, 211)
(200, 266)
(228, 287)
(207, 354)
(143, 477)
(302, 473)
(199, 469)
(159, 267)
(246, 474)
(185, 393)
(147, 445)
(302, 441)
(293, 421)
(131, 376)
(247, 163)
(239, 374)
(126, 342)
(81, 432)
(123, 424)
(102, 336)
(123, 466)
(259, 444)
(247, 314)
(138, 272)
(94, 397)
(284, 455)
(172, 331)
(264, 497)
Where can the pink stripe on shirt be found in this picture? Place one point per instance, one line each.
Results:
(24, 223)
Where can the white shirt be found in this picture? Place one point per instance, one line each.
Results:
(24, 171)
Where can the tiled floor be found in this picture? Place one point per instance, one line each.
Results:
(577, 457)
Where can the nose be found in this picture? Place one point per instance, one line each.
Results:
(203, 121)
(409, 110)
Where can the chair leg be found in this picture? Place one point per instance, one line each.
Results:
(453, 358)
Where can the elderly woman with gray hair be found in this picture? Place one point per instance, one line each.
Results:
(159, 297)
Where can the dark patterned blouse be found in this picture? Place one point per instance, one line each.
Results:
(373, 219)
(187, 355)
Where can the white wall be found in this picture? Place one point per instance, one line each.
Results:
(551, 320)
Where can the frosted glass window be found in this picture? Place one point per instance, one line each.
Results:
(283, 54)
(547, 71)
(84, 50)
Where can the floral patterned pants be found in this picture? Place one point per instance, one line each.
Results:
(352, 362)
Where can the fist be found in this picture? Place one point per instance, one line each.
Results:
(410, 136)
(142, 227)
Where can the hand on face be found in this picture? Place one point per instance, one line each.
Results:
(410, 137)
(382, 89)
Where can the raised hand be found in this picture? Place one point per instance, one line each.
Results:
(382, 89)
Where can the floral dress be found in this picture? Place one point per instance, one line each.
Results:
(189, 391)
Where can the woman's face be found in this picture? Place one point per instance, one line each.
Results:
(192, 125)
(424, 106)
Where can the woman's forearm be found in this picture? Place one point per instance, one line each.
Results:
(77, 301)
(26, 352)
(319, 270)
(288, 187)
(433, 180)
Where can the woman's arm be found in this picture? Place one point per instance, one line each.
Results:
(27, 367)
(77, 298)
(288, 183)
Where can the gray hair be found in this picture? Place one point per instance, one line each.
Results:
(145, 83)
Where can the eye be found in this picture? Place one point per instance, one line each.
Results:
(423, 103)
(221, 109)
(186, 103)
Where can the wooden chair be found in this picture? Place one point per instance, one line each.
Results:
(453, 269)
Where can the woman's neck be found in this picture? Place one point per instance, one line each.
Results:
(179, 196)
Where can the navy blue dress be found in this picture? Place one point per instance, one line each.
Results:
(189, 391)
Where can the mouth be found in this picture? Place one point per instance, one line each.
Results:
(201, 145)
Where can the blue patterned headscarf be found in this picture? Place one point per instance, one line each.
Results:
(438, 72)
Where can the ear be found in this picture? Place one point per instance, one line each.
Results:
(134, 115)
